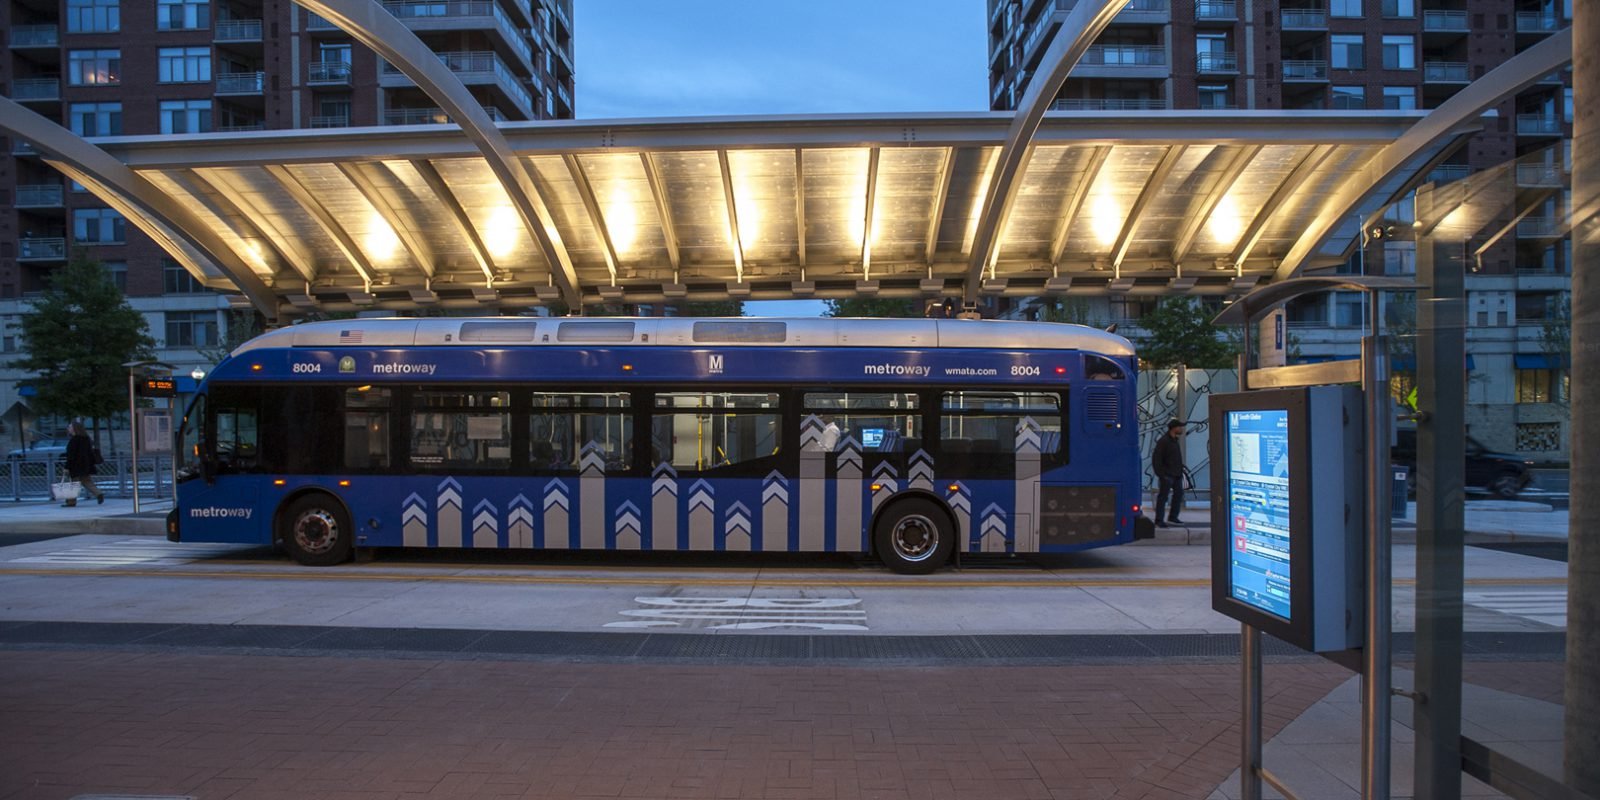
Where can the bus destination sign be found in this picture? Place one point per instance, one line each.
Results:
(157, 387)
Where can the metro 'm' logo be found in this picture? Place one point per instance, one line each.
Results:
(716, 364)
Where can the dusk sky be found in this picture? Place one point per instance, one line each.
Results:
(674, 58)
(668, 58)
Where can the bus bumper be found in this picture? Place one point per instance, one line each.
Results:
(172, 525)
(1143, 528)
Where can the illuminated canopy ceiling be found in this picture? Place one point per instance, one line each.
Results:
(770, 208)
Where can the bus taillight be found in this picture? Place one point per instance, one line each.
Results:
(1061, 370)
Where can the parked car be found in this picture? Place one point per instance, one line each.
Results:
(40, 449)
(1500, 474)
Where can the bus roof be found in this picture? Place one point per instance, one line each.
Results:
(692, 332)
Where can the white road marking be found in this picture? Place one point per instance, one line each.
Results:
(744, 613)
(129, 551)
(1547, 606)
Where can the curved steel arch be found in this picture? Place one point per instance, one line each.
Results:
(1088, 18)
(1520, 72)
(373, 25)
(136, 198)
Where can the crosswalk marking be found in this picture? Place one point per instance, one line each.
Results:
(1548, 606)
(130, 551)
(746, 613)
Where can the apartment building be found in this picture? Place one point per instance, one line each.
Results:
(1364, 54)
(110, 67)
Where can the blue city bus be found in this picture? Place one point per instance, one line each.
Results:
(907, 439)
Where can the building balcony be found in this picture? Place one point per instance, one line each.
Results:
(432, 116)
(241, 83)
(1108, 104)
(45, 248)
(1546, 176)
(41, 195)
(317, 23)
(1537, 22)
(20, 147)
(524, 9)
(35, 36)
(1538, 125)
(1444, 21)
(237, 30)
(36, 90)
(328, 73)
(1538, 228)
(254, 126)
(473, 68)
(1144, 12)
(561, 14)
(1216, 11)
(1445, 72)
(566, 96)
(1213, 63)
(1305, 71)
(459, 15)
(1123, 61)
(1449, 173)
(1304, 19)
(330, 121)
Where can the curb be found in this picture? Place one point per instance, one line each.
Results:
(110, 526)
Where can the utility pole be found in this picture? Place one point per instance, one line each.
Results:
(1583, 561)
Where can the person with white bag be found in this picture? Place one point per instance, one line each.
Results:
(81, 461)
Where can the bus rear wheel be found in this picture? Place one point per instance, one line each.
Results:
(914, 537)
(316, 531)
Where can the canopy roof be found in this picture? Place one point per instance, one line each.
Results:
(769, 208)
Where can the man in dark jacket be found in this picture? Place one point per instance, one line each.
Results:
(1167, 464)
(80, 463)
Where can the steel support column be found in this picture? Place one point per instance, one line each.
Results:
(1441, 458)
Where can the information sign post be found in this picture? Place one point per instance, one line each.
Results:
(146, 379)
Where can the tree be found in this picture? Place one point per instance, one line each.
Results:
(238, 327)
(872, 307)
(1179, 331)
(1075, 310)
(77, 336)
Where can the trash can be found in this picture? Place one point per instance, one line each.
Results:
(1400, 476)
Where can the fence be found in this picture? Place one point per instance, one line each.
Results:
(1159, 402)
(30, 478)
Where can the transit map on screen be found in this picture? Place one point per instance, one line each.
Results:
(1258, 509)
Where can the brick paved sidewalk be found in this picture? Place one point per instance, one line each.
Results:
(236, 726)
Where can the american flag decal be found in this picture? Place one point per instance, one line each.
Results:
(350, 337)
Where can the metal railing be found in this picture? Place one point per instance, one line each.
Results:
(330, 121)
(317, 23)
(415, 116)
(1445, 72)
(254, 126)
(40, 195)
(1216, 10)
(1217, 62)
(36, 89)
(49, 248)
(1125, 55)
(1445, 21)
(30, 478)
(1538, 124)
(1107, 104)
(1537, 22)
(328, 72)
(1305, 70)
(1304, 17)
(1543, 175)
(463, 9)
(35, 35)
(480, 63)
(237, 30)
(1538, 226)
(241, 82)
(1146, 7)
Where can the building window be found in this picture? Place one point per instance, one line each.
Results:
(94, 16)
(1403, 98)
(98, 226)
(1402, 9)
(185, 64)
(96, 119)
(1215, 95)
(177, 280)
(1399, 258)
(1349, 310)
(1538, 385)
(94, 67)
(183, 15)
(117, 271)
(1344, 8)
(1399, 52)
(1349, 51)
(1349, 97)
(185, 116)
(191, 328)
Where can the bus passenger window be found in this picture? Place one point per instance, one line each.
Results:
(1100, 368)
(465, 429)
(987, 425)
(237, 440)
(700, 432)
(564, 428)
(878, 422)
(366, 428)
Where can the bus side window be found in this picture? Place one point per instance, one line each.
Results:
(700, 432)
(191, 440)
(986, 429)
(366, 428)
(567, 429)
(237, 439)
(1100, 368)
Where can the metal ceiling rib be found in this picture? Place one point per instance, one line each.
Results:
(764, 208)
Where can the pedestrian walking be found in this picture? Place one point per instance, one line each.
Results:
(1167, 464)
(81, 461)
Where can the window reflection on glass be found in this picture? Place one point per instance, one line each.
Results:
(565, 430)
(461, 429)
(989, 423)
(700, 432)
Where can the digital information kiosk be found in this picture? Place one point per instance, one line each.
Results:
(1288, 463)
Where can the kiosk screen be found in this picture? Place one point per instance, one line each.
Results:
(1258, 509)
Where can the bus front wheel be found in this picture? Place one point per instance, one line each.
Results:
(316, 531)
(914, 537)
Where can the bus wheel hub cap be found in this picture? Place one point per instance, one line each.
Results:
(316, 531)
(915, 537)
